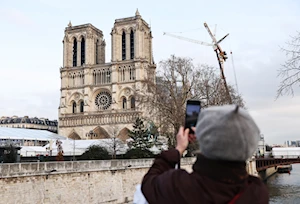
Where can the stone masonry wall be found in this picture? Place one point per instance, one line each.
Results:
(106, 181)
(111, 181)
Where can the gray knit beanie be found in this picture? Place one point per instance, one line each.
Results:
(227, 133)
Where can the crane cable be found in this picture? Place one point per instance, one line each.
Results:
(233, 67)
(235, 78)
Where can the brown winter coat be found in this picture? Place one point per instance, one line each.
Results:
(210, 182)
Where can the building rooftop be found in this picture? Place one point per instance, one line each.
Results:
(72, 28)
(28, 134)
(26, 119)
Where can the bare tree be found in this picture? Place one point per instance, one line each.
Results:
(210, 90)
(115, 144)
(290, 70)
(179, 81)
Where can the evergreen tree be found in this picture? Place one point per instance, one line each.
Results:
(140, 136)
(152, 131)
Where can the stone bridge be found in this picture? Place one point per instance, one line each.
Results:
(265, 163)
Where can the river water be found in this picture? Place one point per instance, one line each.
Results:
(285, 188)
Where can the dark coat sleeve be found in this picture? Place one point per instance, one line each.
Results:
(162, 182)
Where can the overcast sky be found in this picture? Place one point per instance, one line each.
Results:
(31, 49)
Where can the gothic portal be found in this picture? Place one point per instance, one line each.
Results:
(98, 99)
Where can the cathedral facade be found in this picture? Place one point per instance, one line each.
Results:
(99, 99)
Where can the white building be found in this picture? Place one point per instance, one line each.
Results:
(27, 137)
(78, 147)
(286, 152)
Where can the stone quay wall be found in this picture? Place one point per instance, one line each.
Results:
(265, 174)
(102, 181)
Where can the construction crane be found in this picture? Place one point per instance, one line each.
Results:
(189, 40)
(221, 55)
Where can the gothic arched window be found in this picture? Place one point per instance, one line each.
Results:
(74, 107)
(82, 51)
(82, 78)
(124, 103)
(132, 103)
(131, 44)
(95, 77)
(96, 51)
(74, 80)
(123, 74)
(131, 73)
(108, 76)
(123, 46)
(74, 52)
(81, 106)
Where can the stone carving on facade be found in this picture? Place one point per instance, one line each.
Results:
(128, 30)
(79, 38)
(72, 37)
(89, 34)
(86, 71)
(66, 38)
(133, 86)
(113, 31)
(119, 31)
(127, 92)
(77, 96)
(137, 86)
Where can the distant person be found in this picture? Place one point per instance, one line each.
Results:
(227, 136)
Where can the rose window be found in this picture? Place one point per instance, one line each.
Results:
(103, 100)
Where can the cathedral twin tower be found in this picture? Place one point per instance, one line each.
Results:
(98, 99)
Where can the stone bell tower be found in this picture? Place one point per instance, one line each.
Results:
(83, 45)
(131, 40)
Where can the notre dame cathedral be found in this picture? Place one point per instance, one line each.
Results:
(98, 99)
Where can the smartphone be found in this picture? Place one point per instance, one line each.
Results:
(193, 108)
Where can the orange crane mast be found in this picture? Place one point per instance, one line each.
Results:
(221, 55)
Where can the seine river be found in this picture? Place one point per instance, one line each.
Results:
(285, 188)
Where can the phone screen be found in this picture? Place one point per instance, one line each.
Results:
(192, 111)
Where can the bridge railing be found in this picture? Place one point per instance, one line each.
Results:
(286, 156)
(264, 163)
